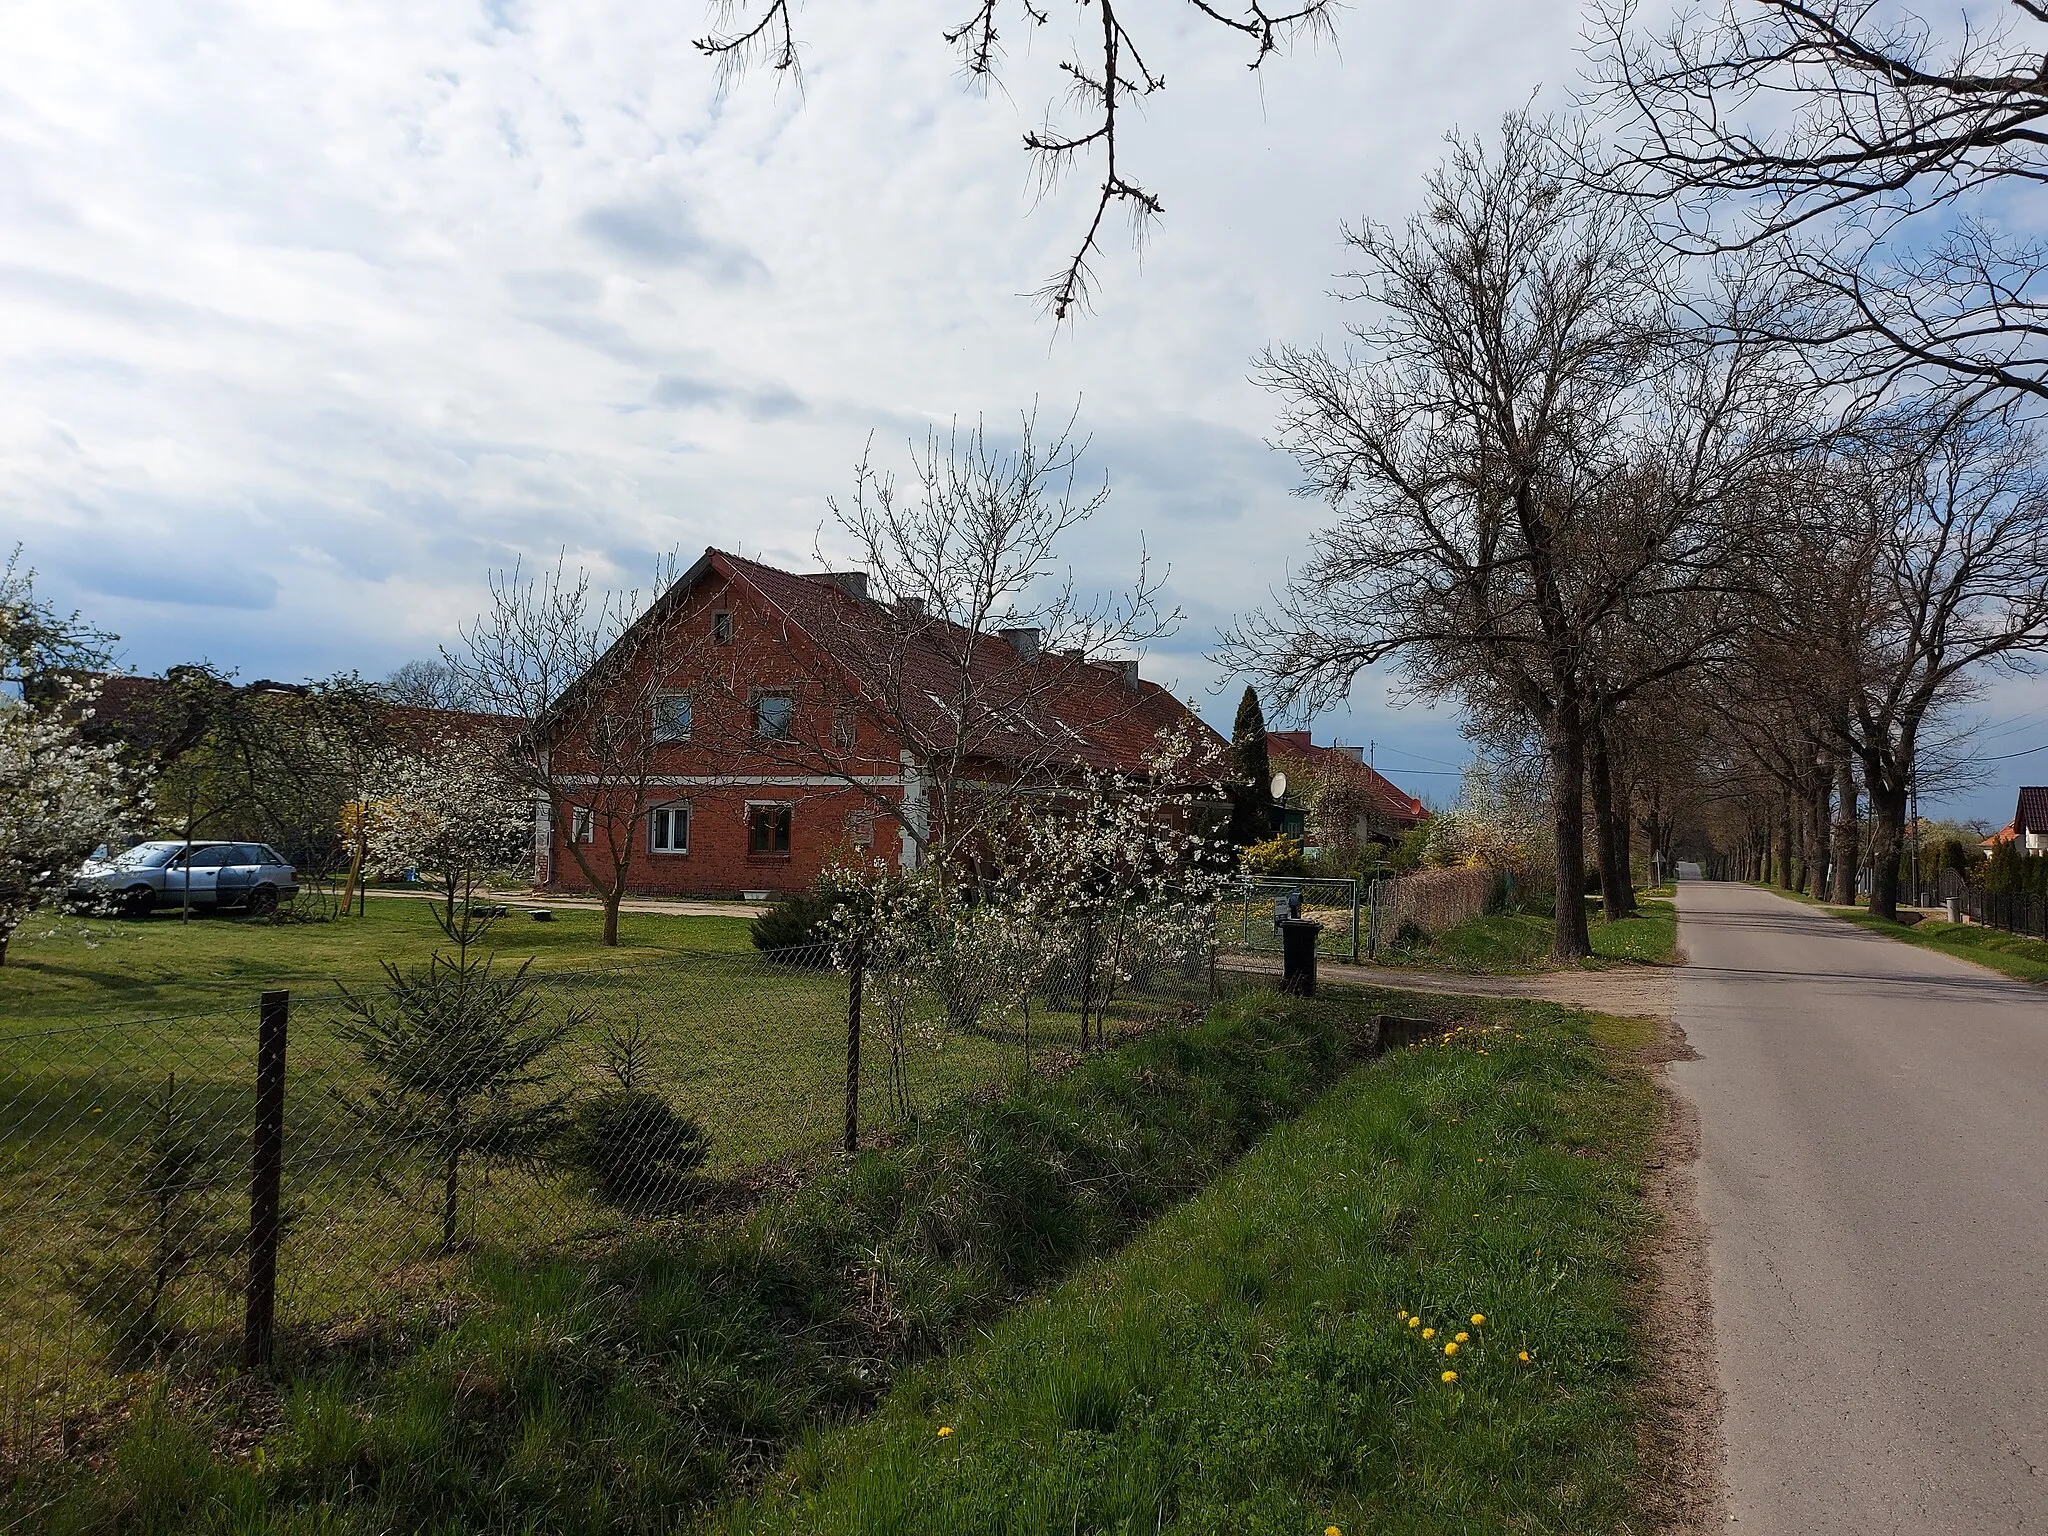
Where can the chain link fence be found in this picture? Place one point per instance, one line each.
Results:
(318, 1173)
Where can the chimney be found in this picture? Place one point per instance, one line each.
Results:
(1024, 642)
(852, 583)
(1129, 669)
(914, 606)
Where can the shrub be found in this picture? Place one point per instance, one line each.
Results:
(794, 922)
(640, 1154)
(1276, 856)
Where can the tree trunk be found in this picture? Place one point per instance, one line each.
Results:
(1817, 839)
(1887, 826)
(611, 918)
(1568, 936)
(1614, 891)
(1844, 893)
(4, 937)
(1785, 850)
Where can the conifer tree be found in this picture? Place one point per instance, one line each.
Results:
(1251, 799)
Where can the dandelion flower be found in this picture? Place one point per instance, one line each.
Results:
(1463, 1337)
(1449, 1377)
(1414, 1321)
(1429, 1333)
(1331, 1530)
(1402, 1314)
(1525, 1357)
(1451, 1348)
(945, 1430)
(1478, 1318)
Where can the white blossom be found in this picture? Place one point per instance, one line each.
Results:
(60, 797)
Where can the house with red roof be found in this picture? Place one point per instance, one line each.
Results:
(1372, 806)
(800, 720)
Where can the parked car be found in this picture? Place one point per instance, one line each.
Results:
(249, 876)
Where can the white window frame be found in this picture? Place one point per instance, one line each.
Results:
(661, 701)
(674, 810)
(721, 627)
(845, 728)
(582, 824)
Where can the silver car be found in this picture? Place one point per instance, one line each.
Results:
(249, 876)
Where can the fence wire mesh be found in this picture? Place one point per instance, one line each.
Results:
(498, 1114)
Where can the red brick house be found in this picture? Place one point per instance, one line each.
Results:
(1378, 809)
(796, 719)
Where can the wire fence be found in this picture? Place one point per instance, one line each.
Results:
(1359, 917)
(314, 1172)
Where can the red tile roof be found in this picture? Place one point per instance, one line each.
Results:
(1392, 802)
(1061, 711)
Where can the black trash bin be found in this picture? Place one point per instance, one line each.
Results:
(1298, 955)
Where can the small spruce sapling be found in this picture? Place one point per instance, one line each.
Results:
(459, 1052)
(641, 1154)
(172, 1218)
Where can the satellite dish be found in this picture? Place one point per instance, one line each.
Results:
(1279, 786)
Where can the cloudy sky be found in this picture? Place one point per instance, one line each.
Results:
(312, 313)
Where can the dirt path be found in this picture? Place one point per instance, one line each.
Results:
(1635, 991)
(651, 904)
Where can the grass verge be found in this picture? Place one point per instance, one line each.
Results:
(628, 1386)
(1511, 942)
(1248, 1365)
(2012, 954)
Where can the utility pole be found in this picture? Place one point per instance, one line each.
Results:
(1913, 793)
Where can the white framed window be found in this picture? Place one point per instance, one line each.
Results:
(721, 628)
(860, 829)
(582, 827)
(774, 714)
(843, 728)
(672, 717)
(668, 828)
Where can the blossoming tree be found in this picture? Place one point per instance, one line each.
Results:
(59, 799)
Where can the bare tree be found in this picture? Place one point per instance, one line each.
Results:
(1957, 514)
(1866, 149)
(1526, 449)
(584, 674)
(1104, 77)
(427, 683)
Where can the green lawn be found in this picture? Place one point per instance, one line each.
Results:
(2021, 958)
(1520, 941)
(629, 1384)
(74, 972)
(1247, 1365)
(97, 1020)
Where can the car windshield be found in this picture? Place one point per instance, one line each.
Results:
(145, 856)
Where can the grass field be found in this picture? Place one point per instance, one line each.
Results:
(1520, 941)
(74, 972)
(2021, 958)
(627, 1385)
(96, 1020)
(1248, 1365)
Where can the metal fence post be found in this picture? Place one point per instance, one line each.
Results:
(855, 971)
(1354, 921)
(266, 1177)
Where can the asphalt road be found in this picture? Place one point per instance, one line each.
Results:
(1874, 1180)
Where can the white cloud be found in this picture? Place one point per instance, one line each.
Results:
(312, 312)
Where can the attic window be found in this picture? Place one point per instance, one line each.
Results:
(721, 628)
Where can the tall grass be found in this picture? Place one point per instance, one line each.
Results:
(1247, 1366)
(630, 1384)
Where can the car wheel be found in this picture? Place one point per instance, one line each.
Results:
(263, 901)
(137, 901)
